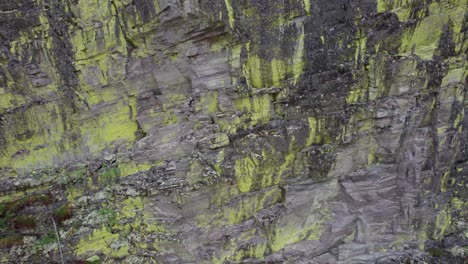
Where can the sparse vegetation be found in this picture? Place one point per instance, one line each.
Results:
(46, 240)
(110, 216)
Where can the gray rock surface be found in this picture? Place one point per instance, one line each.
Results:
(209, 131)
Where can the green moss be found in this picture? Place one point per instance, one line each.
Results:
(46, 240)
(79, 173)
(73, 193)
(401, 240)
(219, 159)
(109, 175)
(109, 215)
(353, 96)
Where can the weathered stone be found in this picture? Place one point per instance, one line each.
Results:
(219, 131)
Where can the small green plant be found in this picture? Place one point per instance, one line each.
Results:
(109, 215)
(79, 173)
(109, 175)
(4, 223)
(2, 209)
(46, 240)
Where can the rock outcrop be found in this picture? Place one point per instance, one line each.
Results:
(220, 131)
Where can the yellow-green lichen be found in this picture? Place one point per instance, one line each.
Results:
(262, 171)
(307, 6)
(443, 181)
(230, 125)
(114, 123)
(258, 108)
(298, 62)
(316, 130)
(424, 39)
(245, 245)
(100, 241)
(252, 251)
(442, 223)
(262, 73)
(131, 206)
(402, 9)
(292, 233)
(245, 207)
(223, 194)
(230, 11)
(458, 204)
(209, 102)
(129, 168)
(246, 172)
(253, 71)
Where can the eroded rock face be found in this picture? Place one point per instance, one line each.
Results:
(210, 131)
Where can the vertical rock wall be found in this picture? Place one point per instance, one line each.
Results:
(253, 131)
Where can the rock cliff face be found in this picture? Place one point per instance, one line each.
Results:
(222, 131)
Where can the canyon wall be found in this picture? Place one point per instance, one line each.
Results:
(222, 131)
